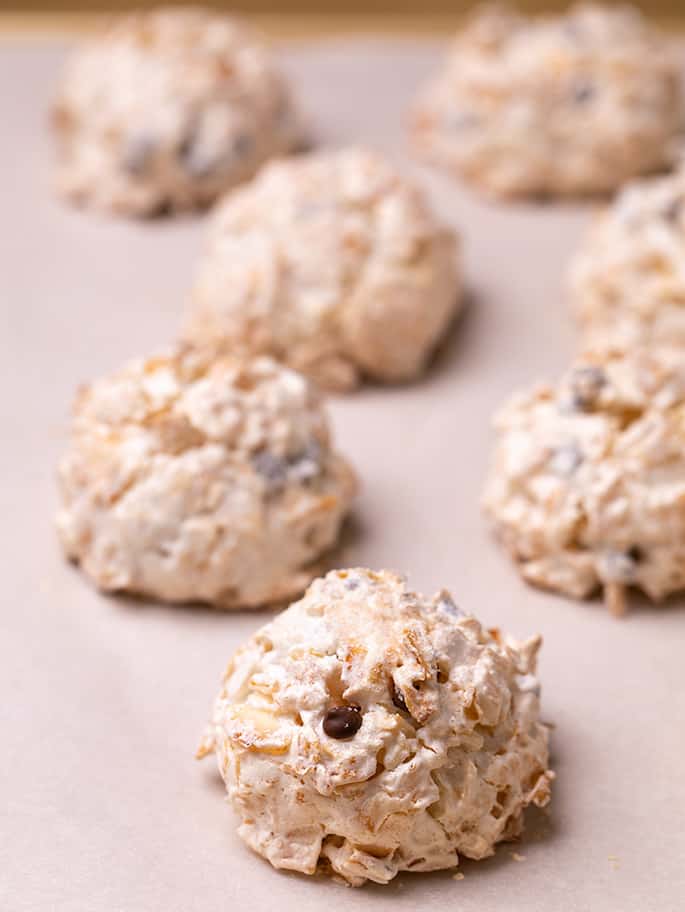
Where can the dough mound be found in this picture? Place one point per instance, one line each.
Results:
(627, 282)
(557, 105)
(190, 483)
(444, 746)
(332, 263)
(166, 110)
(588, 479)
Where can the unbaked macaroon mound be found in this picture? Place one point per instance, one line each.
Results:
(369, 730)
(333, 263)
(194, 483)
(572, 104)
(627, 282)
(165, 110)
(587, 484)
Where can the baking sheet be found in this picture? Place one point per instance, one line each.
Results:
(103, 807)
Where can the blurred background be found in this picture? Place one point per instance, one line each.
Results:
(398, 15)
(388, 7)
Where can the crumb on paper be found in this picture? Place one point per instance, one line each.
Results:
(517, 857)
(458, 876)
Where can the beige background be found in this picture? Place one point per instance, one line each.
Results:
(102, 700)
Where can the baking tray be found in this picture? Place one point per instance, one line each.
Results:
(104, 808)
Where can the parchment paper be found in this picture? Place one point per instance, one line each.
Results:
(103, 808)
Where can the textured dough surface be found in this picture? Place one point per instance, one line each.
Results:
(627, 282)
(449, 753)
(560, 105)
(587, 484)
(332, 263)
(193, 483)
(167, 109)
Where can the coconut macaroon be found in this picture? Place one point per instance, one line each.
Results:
(167, 109)
(587, 485)
(369, 730)
(190, 483)
(332, 263)
(627, 282)
(562, 105)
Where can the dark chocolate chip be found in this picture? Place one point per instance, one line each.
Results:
(160, 208)
(342, 722)
(138, 154)
(586, 383)
(272, 468)
(673, 211)
(397, 698)
(302, 467)
(307, 464)
(583, 91)
(200, 161)
(635, 553)
(195, 159)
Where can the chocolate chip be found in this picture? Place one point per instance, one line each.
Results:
(397, 698)
(277, 471)
(197, 158)
(159, 208)
(138, 154)
(201, 159)
(342, 722)
(586, 383)
(583, 91)
(307, 464)
(272, 468)
(673, 211)
(635, 553)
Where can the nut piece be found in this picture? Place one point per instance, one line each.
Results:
(168, 488)
(166, 110)
(587, 484)
(569, 104)
(332, 263)
(352, 780)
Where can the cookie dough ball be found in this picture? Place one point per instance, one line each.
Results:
(369, 730)
(588, 479)
(166, 110)
(188, 483)
(332, 263)
(628, 280)
(561, 105)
